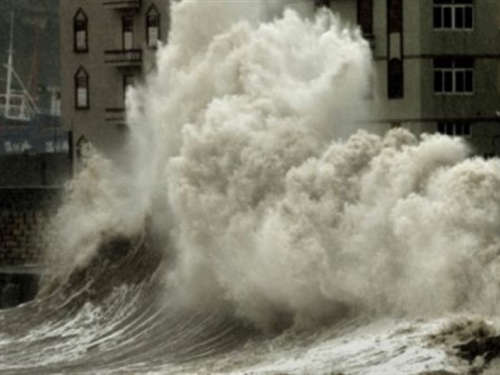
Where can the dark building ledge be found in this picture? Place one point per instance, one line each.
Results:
(115, 116)
(124, 58)
(123, 4)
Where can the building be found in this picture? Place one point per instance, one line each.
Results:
(105, 45)
(436, 68)
(437, 65)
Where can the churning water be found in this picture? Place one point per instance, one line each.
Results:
(251, 227)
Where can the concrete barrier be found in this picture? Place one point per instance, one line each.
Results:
(24, 214)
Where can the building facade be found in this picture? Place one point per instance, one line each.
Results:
(105, 45)
(437, 65)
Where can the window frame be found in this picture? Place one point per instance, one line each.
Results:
(128, 27)
(440, 7)
(153, 14)
(81, 144)
(365, 16)
(395, 16)
(454, 72)
(451, 128)
(80, 74)
(127, 80)
(80, 25)
(395, 79)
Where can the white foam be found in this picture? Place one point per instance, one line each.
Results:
(236, 152)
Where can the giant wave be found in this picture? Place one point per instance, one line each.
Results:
(255, 223)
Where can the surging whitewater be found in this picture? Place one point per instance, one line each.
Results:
(250, 227)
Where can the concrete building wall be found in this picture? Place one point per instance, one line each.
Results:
(17, 288)
(346, 8)
(35, 170)
(24, 215)
(478, 43)
(397, 111)
(407, 109)
(420, 109)
(102, 124)
(417, 44)
(480, 109)
(480, 40)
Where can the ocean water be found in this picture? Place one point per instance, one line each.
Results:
(256, 224)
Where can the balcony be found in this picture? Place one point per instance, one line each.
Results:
(124, 58)
(115, 116)
(123, 4)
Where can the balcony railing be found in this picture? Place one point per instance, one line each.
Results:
(123, 4)
(115, 116)
(18, 106)
(124, 58)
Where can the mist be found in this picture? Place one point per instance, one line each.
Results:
(248, 152)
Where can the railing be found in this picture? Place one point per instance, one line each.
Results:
(122, 4)
(19, 108)
(115, 116)
(124, 58)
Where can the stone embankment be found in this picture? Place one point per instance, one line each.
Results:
(24, 214)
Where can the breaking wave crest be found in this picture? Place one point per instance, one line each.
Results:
(236, 157)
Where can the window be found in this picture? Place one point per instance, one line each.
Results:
(322, 3)
(128, 32)
(365, 21)
(395, 79)
(454, 76)
(153, 26)
(82, 146)
(128, 80)
(369, 93)
(81, 89)
(365, 16)
(457, 128)
(395, 16)
(80, 32)
(453, 14)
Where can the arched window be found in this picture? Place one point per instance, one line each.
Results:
(81, 148)
(82, 89)
(153, 26)
(128, 32)
(80, 32)
(128, 81)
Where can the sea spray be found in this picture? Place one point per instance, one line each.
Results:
(244, 149)
(96, 209)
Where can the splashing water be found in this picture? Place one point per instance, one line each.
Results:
(235, 139)
(246, 161)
